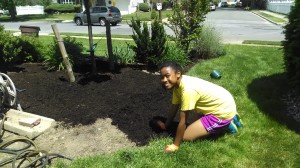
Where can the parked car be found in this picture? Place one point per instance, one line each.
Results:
(224, 4)
(99, 14)
(3, 12)
(212, 6)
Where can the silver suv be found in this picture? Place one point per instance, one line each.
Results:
(99, 14)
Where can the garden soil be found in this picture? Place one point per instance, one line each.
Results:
(95, 114)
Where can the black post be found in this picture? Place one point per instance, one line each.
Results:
(109, 46)
(92, 52)
(159, 12)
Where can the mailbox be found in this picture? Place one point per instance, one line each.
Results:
(30, 30)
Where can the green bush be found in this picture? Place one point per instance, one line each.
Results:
(174, 53)
(62, 8)
(54, 60)
(144, 7)
(291, 45)
(18, 49)
(148, 49)
(141, 37)
(124, 56)
(158, 41)
(208, 44)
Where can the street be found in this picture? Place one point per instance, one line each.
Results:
(234, 25)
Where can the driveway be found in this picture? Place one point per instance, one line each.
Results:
(236, 25)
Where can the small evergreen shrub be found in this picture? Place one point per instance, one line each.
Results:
(54, 60)
(158, 41)
(148, 49)
(291, 45)
(141, 37)
(208, 44)
(144, 7)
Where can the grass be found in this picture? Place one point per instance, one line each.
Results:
(256, 78)
(101, 49)
(97, 35)
(259, 42)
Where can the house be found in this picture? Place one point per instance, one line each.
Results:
(125, 6)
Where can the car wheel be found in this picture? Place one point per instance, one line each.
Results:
(102, 21)
(78, 21)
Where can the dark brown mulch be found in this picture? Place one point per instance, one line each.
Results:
(130, 97)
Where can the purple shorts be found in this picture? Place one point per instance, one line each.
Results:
(213, 124)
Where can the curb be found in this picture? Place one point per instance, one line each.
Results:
(279, 24)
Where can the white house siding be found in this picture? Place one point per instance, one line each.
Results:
(280, 6)
(127, 6)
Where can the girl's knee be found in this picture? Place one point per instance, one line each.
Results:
(188, 138)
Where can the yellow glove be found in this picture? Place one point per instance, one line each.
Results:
(171, 148)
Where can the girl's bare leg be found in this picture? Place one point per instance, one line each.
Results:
(195, 131)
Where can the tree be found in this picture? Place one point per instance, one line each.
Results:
(9, 5)
(291, 45)
(186, 21)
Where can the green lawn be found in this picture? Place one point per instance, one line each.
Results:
(259, 42)
(100, 50)
(256, 78)
(274, 19)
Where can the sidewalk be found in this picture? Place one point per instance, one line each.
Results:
(279, 19)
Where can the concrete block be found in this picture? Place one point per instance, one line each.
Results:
(27, 124)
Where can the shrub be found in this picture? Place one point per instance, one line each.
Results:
(291, 45)
(61, 8)
(144, 7)
(142, 40)
(148, 50)
(158, 41)
(208, 44)
(54, 60)
(174, 53)
(186, 21)
(18, 49)
(124, 56)
(154, 14)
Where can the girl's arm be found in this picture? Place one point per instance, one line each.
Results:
(179, 133)
(181, 128)
(172, 113)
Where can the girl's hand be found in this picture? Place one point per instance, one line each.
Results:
(171, 148)
(162, 125)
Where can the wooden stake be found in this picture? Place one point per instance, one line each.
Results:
(63, 53)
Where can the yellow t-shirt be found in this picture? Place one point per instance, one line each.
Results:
(205, 97)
